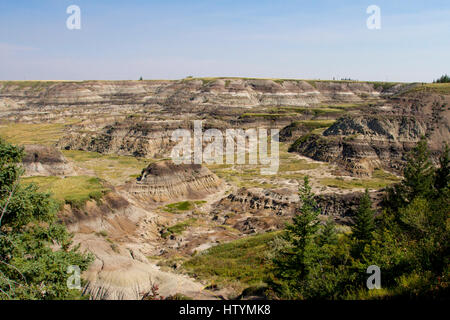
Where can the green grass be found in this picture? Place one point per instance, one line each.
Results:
(315, 124)
(179, 227)
(440, 88)
(242, 260)
(31, 133)
(384, 175)
(315, 111)
(102, 233)
(267, 116)
(75, 191)
(380, 179)
(112, 168)
(297, 165)
(344, 106)
(183, 206)
(31, 85)
(243, 176)
(326, 111)
(383, 86)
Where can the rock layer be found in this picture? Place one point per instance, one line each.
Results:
(381, 138)
(45, 161)
(225, 92)
(166, 181)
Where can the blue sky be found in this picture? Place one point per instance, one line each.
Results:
(315, 39)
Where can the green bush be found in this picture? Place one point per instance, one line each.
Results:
(35, 250)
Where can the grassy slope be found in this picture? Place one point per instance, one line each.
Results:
(31, 133)
(440, 88)
(380, 179)
(178, 207)
(241, 260)
(71, 190)
(112, 168)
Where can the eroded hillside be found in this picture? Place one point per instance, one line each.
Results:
(103, 147)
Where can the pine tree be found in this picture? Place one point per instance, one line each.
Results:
(328, 234)
(418, 181)
(364, 219)
(444, 79)
(419, 171)
(293, 264)
(35, 250)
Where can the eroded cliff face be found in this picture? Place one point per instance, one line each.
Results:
(150, 139)
(225, 92)
(166, 181)
(381, 138)
(121, 235)
(137, 117)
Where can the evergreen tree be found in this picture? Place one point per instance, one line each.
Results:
(444, 79)
(442, 179)
(419, 171)
(294, 263)
(364, 219)
(418, 180)
(35, 250)
(328, 234)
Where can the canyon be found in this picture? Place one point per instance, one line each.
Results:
(143, 216)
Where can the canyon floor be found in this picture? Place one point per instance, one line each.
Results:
(102, 148)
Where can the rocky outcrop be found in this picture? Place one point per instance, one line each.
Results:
(164, 181)
(45, 161)
(129, 137)
(257, 200)
(257, 210)
(382, 138)
(294, 130)
(132, 136)
(358, 156)
(342, 207)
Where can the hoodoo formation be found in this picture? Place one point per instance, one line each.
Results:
(164, 181)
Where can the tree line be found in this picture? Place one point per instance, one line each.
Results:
(408, 240)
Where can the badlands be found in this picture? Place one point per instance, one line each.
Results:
(202, 231)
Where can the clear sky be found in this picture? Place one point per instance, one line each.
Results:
(172, 39)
